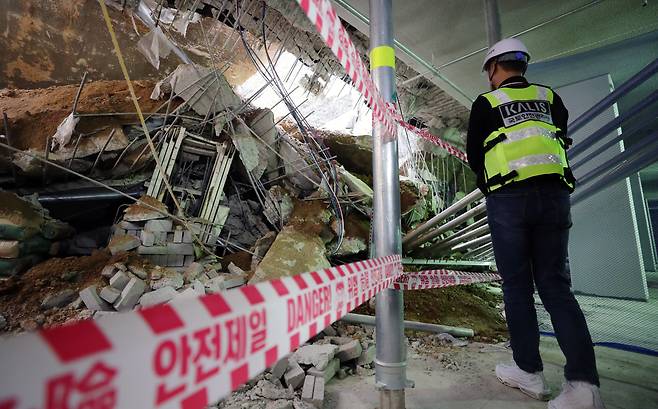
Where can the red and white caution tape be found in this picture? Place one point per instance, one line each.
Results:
(324, 16)
(185, 354)
(441, 278)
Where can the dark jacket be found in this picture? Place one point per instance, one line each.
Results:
(485, 120)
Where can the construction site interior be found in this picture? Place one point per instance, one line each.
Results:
(155, 152)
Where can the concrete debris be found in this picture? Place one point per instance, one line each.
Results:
(169, 279)
(3, 322)
(119, 280)
(313, 391)
(268, 390)
(315, 355)
(279, 368)
(260, 248)
(159, 296)
(327, 373)
(147, 208)
(155, 45)
(138, 271)
(92, 301)
(130, 294)
(123, 243)
(278, 206)
(293, 252)
(233, 269)
(59, 300)
(294, 376)
(350, 350)
(204, 90)
(27, 233)
(110, 294)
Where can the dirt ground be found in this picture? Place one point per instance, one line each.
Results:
(463, 306)
(34, 114)
(21, 297)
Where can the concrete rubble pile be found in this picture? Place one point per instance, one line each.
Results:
(298, 380)
(27, 234)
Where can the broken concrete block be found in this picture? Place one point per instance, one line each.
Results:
(232, 282)
(318, 393)
(3, 322)
(60, 299)
(109, 270)
(330, 331)
(328, 372)
(307, 389)
(138, 271)
(126, 225)
(367, 355)
(293, 252)
(159, 225)
(294, 376)
(349, 351)
(110, 294)
(169, 279)
(188, 260)
(183, 249)
(159, 296)
(178, 235)
(187, 236)
(147, 208)
(92, 301)
(120, 244)
(279, 368)
(147, 238)
(121, 266)
(185, 294)
(316, 355)
(130, 294)
(119, 280)
(192, 272)
(268, 390)
(340, 340)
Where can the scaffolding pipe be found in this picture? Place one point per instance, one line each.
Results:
(621, 167)
(492, 17)
(412, 325)
(477, 210)
(449, 211)
(445, 263)
(457, 238)
(474, 242)
(618, 160)
(586, 143)
(477, 250)
(609, 100)
(390, 358)
(628, 134)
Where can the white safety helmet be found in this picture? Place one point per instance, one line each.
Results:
(508, 49)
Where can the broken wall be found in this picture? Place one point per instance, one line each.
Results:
(54, 42)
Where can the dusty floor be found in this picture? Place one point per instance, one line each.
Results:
(628, 381)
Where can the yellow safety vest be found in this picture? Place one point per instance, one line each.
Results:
(527, 144)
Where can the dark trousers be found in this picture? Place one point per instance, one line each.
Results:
(530, 224)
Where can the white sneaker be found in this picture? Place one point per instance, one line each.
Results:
(532, 384)
(578, 395)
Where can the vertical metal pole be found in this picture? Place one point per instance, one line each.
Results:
(492, 17)
(391, 359)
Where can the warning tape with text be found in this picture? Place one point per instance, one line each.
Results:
(191, 352)
(324, 16)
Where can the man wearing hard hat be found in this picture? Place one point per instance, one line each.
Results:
(516, 145)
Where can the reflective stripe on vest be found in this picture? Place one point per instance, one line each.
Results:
(527, 144)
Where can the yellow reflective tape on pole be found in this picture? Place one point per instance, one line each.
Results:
(382, 56)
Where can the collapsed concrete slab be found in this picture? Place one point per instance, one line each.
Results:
(293, 252)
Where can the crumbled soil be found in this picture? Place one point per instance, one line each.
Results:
(34, 114)
(21, 297)
(307, 216)
(462, 306)
(241, 259)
